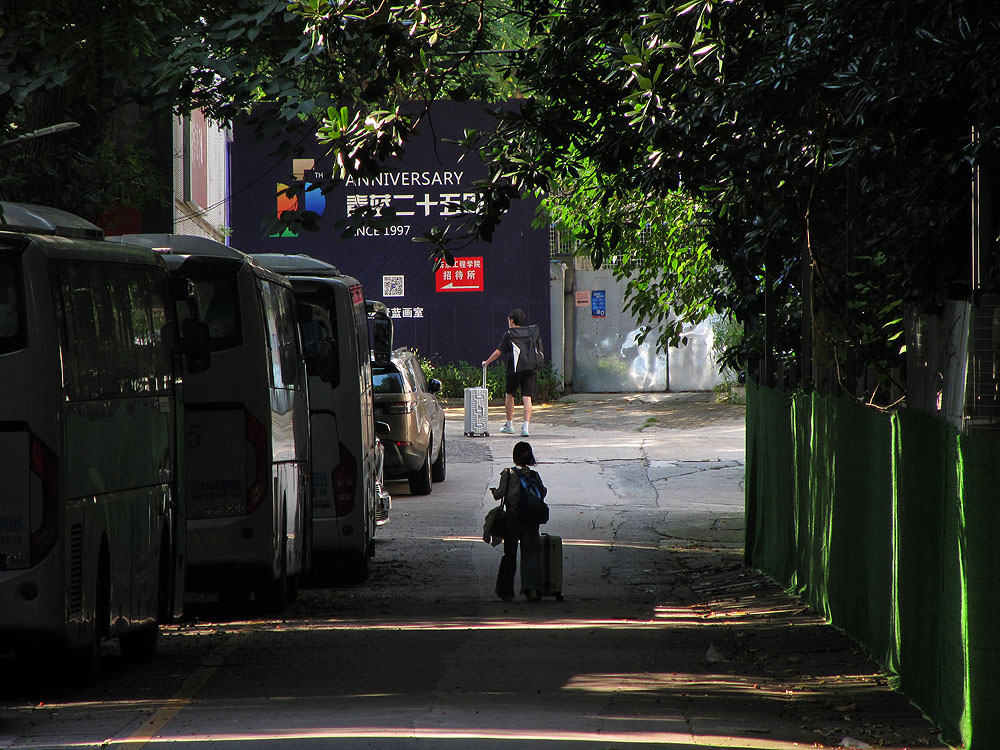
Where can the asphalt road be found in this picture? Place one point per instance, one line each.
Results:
(662, 639)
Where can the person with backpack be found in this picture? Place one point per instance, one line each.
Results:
(522, 346)
(521, 493)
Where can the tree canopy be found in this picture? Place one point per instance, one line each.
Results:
(802, 166)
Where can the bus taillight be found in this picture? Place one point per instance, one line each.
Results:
(257, 437)
(344, 482)
(45, 466)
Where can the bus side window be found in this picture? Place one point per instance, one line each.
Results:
(283, 340)
(107, 336)
(273, 339)
(76, 311)
(291, 353)
(144, 327)
(161, 331)
(131, 373)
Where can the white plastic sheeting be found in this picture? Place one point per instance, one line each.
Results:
(608, 357)
(692, 365)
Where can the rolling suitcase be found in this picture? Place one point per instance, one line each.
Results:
(477, 404)
(552, 566)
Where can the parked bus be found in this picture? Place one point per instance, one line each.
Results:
(91, 522)
(349, 499)
(247, 427)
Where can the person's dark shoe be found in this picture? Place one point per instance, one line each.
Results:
(506, 597)
(533, 596)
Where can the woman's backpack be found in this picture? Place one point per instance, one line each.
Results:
(531, 507)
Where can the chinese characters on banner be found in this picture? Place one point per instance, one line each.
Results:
(405, 312)
(442, 196)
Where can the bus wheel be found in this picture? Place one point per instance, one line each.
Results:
(356, 568)
(420, 480)
(140, 645)
(85, 662)
(165, 582)
(272, 596)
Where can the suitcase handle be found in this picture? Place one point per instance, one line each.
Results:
(484, 376)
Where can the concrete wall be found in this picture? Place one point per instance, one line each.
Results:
(603, 353)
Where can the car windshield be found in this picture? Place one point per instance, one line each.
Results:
(387, 380)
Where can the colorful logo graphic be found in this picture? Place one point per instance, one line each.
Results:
(300, 196)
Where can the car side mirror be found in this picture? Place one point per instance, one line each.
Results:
(434, 385)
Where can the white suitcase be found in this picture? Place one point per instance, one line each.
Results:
(477, 404)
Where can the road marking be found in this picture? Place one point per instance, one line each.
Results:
(195, 682)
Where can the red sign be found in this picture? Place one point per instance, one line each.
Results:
(466, 275)
(196, 187)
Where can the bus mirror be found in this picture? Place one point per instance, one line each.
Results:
(182, 288)
(382, 428)
(333, 360)
(185, 292)
(197, 345)
(381, 329)
(324, 360)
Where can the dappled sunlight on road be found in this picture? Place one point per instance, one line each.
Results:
(455, 737)
(715, 685)
(565, 542)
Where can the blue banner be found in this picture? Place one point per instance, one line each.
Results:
(458, 313)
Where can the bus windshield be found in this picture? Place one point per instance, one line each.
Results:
(217, 302)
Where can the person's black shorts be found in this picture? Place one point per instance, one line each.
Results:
(526, 380)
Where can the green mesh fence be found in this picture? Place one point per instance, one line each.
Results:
(886, 526)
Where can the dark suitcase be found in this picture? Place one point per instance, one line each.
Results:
(552, 566)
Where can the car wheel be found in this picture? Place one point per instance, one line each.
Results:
(440, 468)
(421, 482)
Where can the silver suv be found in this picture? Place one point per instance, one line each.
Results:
(405, 401)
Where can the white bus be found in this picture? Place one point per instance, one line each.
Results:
(91, 525)
(247, 428)
(349, 500)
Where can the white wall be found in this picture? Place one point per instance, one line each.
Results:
(190, 217)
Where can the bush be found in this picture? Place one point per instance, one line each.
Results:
(455, 377)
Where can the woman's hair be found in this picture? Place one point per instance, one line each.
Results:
(517, 315)
(523, 455)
